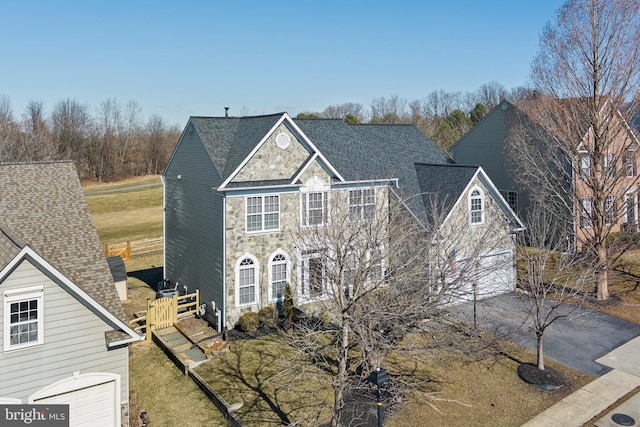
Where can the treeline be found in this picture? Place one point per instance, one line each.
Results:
(443, 116)
(113, 141)
(110, 143)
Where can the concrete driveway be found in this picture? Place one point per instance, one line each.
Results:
(575, 342)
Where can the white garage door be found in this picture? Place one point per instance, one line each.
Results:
(93, 400)
(495, 274)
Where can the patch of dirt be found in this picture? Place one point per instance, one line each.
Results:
(200, 333)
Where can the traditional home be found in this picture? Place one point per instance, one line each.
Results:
(64, 333)
(236, 188)
(486, 144)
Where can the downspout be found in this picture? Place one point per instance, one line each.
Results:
(224, 264)
(164, 228)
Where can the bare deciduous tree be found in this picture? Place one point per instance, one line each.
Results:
(340, 111)
(377, 279)
(554, 283)
(587, 76)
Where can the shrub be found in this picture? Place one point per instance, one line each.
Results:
(268, 316)
(287, 303)
(249, 322)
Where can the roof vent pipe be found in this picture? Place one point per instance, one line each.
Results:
(226, 111)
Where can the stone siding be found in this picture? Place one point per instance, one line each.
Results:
(272, 162)
(492, 235)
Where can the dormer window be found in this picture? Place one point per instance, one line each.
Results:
(476, 207)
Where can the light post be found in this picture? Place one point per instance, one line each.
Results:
(377, 378)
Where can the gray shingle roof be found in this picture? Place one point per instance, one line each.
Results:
(229, 140)
(373, 151)
(43, 204)
(357, 152)
(117, 268)
(446, 182)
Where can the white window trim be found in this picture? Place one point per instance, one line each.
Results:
(629, 162)
(303, 278)
(314, 185)
(610, 213)
(634, 200)
(362, 205)
(13, 295)
(608, 164)
(585, 164)
(586, 212)
(482, 205)
(262, 214)
(256, 267)
(270, 271)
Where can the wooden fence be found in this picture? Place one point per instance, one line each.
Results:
(165, 312)
(138, 247)
(124, 251)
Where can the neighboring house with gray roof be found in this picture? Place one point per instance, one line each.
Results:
(64, 332)
(236, 188)
(486, 144)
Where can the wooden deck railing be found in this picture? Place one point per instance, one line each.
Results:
(165, 312)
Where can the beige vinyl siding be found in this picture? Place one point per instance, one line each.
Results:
(73, 341)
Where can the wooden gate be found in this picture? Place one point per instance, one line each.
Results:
(165, 312)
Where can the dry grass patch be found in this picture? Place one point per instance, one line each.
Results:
(458, 391)
(624, 288)
(478, 393)
(127, 215)
(169, 398)
(90, 186)
(257, 374)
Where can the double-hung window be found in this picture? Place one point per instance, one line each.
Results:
(476, 207)
(585, 165)
(629, 161)
(610, 213)
(262, 213)
(278, 275)
(362, 203)
(313, 275)
(246, 281)
(585, 213)
(314, 203)
(23, 318)
(608, 165)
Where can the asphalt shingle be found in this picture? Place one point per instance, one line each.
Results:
(43, 204)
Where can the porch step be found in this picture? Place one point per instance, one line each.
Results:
(185, 353)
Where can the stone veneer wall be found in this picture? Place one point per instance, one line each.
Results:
(263, 245)
(492, 235)
(273, 162)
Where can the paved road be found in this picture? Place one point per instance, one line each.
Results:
(576, 343)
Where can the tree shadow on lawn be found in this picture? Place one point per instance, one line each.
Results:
(150, 276)
(258, 374)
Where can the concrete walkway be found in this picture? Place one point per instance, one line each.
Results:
(584, 404)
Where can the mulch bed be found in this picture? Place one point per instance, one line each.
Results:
(547, 379)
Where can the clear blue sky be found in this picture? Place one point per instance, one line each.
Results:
(182, 58)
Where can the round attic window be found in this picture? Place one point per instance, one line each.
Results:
(283, 140)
